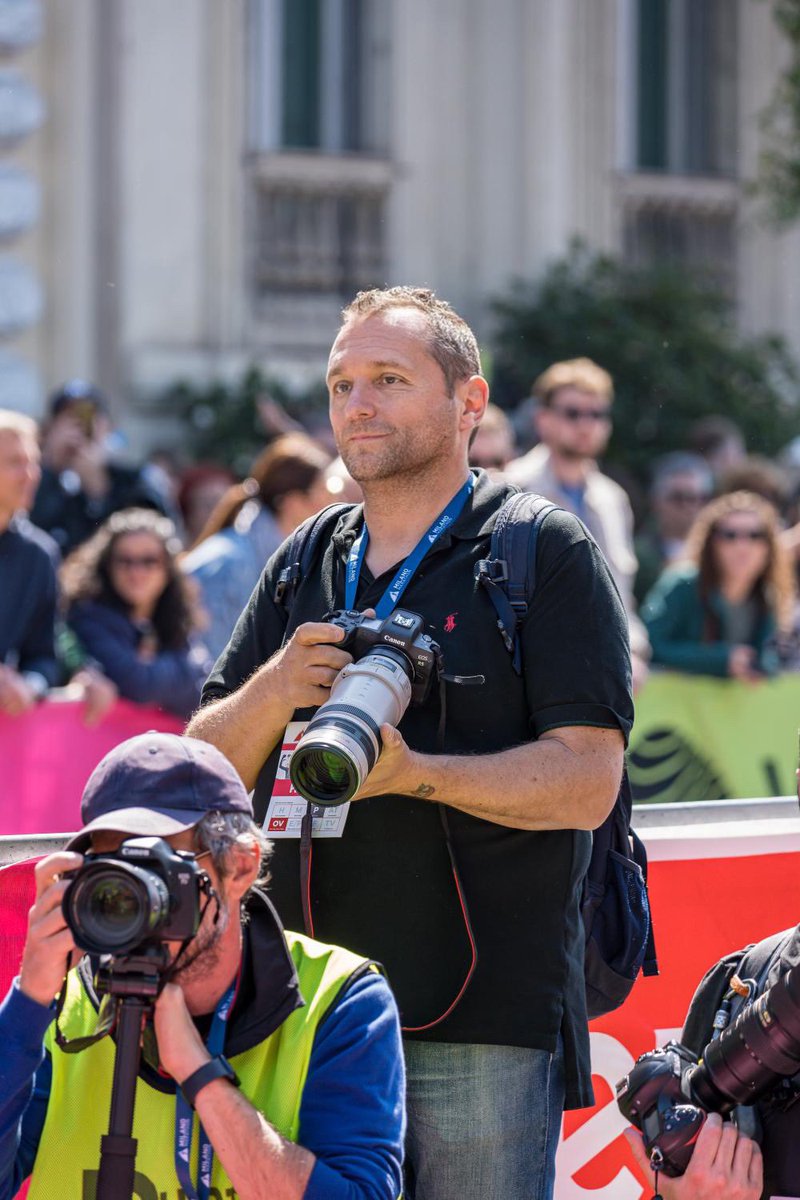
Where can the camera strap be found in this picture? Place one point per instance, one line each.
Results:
(403, 577)
(184, 1114)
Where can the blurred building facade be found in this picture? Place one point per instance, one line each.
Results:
(217, 176)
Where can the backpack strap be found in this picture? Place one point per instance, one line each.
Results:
(302, 550)
(639, 856)
(509, 573)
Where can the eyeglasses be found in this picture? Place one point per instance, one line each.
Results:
(129, 562)
(678, 497)
(570, 413)
(741, 535)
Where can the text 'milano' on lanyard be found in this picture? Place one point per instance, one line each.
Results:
(398, 585)
(184, 1113)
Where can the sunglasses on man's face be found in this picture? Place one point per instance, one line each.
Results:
(570, 413)
(678, 497)
(741, 535)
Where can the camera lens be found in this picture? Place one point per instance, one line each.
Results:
(342, 741)
(325, 775)
(112, 908)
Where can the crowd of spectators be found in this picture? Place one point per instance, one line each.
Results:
(124, 579)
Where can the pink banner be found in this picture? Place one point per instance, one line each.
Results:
(48, 754)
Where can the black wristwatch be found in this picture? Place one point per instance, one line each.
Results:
(217, 1068)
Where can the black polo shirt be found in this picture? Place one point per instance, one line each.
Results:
(386, 888)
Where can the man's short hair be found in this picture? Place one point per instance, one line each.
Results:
(15, 422)
(451, 341)
(221, 832)
(580, 373)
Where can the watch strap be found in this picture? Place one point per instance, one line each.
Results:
(216, 1068)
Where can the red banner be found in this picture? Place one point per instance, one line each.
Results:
(713, 889)
(48, 754)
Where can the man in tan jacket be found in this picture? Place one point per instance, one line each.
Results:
(573, 421)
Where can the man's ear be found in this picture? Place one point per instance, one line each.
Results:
(246, 862)
(474, 396)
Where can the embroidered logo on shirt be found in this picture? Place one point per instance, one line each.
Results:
(450, 622)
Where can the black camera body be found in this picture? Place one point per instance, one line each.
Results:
(668, 1094)
(652, 1097)
(145, 892)
(402, 630)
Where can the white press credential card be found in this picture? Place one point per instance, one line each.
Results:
(286, 808)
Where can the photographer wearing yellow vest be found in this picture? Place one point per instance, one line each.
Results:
(272, 1066)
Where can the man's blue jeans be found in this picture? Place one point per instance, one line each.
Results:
(483, 1121)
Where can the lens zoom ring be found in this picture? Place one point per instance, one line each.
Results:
(332, 710)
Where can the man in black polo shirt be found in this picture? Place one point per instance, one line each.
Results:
(486, 955)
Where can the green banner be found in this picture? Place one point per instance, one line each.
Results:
(697, 738)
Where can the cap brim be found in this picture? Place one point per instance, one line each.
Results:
(141, 822)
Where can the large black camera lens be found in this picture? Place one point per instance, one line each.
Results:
(112, 907)
(762, 1046)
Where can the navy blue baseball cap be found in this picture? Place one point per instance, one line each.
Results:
(158, 784)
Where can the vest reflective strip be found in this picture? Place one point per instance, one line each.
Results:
(272, 1077)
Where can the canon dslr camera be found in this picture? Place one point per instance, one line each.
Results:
(143, 893)
(394, 665)
(667, 1094)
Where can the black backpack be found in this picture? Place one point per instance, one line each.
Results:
(615, 906)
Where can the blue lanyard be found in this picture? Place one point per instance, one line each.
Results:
(184, 1115)
(403, 577)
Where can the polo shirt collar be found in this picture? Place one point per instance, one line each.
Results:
(475, 520)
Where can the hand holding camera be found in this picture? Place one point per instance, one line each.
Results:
(50, 943)
(394, 664)
(724, 1164)
(303, 670)
(671, 1098)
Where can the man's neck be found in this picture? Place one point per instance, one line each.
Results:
(5, 519)
(571, 472)
(399, 511)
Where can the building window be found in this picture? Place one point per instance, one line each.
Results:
(686, 86)
(320, 76)
(319, 129)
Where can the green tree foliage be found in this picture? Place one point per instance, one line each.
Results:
(779, 160)
(225, 422)
(669, 341)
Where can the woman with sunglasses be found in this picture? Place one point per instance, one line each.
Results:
(727, 608)
(132, 610)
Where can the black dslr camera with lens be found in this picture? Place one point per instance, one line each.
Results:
(145, 892)
(667, 1094)
(394, 665)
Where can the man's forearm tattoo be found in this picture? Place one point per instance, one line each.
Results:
(424, 790)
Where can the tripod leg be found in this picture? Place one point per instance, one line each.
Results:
(115, 1178)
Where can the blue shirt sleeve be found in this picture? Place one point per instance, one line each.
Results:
(25, 1076)
(352, 1115)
